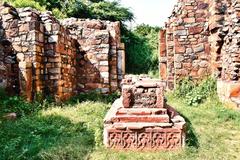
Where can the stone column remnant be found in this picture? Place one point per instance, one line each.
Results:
(141, 119)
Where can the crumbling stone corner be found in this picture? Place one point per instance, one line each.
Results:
(40, 55)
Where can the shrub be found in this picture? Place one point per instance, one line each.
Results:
(184, 87)
(18, 105)
(154, 73)
(195, 93)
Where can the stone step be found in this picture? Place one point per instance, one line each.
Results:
(135, 118)
(135, 126)
(148, 84)
(142, 111)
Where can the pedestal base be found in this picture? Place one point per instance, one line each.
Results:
(140, 135)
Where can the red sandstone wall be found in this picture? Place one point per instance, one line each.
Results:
(8, 62)
(59, 59)
(197, 39)
(38, 55)
(230, 49)
(100, 51)
(202, 38)
(30, 52)
(186, 41)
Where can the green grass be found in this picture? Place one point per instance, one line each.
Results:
(74, 131)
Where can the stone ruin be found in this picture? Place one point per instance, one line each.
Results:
(41, 55)
(201, 38)
(141, 119)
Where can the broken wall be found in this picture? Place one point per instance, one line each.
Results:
(201, 38)
(100, 52)
(186, 41)
(41, 56)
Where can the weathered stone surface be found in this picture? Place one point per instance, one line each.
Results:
(198, 48)
(195, 30)
(181, 33)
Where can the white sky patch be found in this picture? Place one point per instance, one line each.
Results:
(152, 12)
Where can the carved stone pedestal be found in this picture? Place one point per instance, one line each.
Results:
(141, 120)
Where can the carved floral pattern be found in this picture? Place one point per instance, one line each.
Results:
(115, 139)
(141, 140)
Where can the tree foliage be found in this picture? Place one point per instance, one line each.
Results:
(141, 49)
(110, 11)
(98, 9)
(27, 3)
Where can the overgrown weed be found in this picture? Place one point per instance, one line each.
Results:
(195, 92)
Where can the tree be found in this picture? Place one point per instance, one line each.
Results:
(111, 11)
(145, 29)
(98, 9)
(27, 3)
(141, 49)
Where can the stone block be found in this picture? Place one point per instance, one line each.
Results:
(94, 24)
(163, 71)
(103, 68)
(93, 85)
(140, 96)
(203, 6)
(24, 65)
(20, 57)
(103, 63)
(195, 30)
(179, 58)
(54, 71)
(198, 48)
(203, 64)
(53, 39)
(142, 111)
(189, 50)
(104, 74)
(180, 49)
(189, 20)
(181, 32)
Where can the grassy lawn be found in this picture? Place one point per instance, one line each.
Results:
(75, 132)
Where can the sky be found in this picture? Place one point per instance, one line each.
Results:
(152, 12)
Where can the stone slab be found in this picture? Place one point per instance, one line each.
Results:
(140, 118)
(142, 111)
